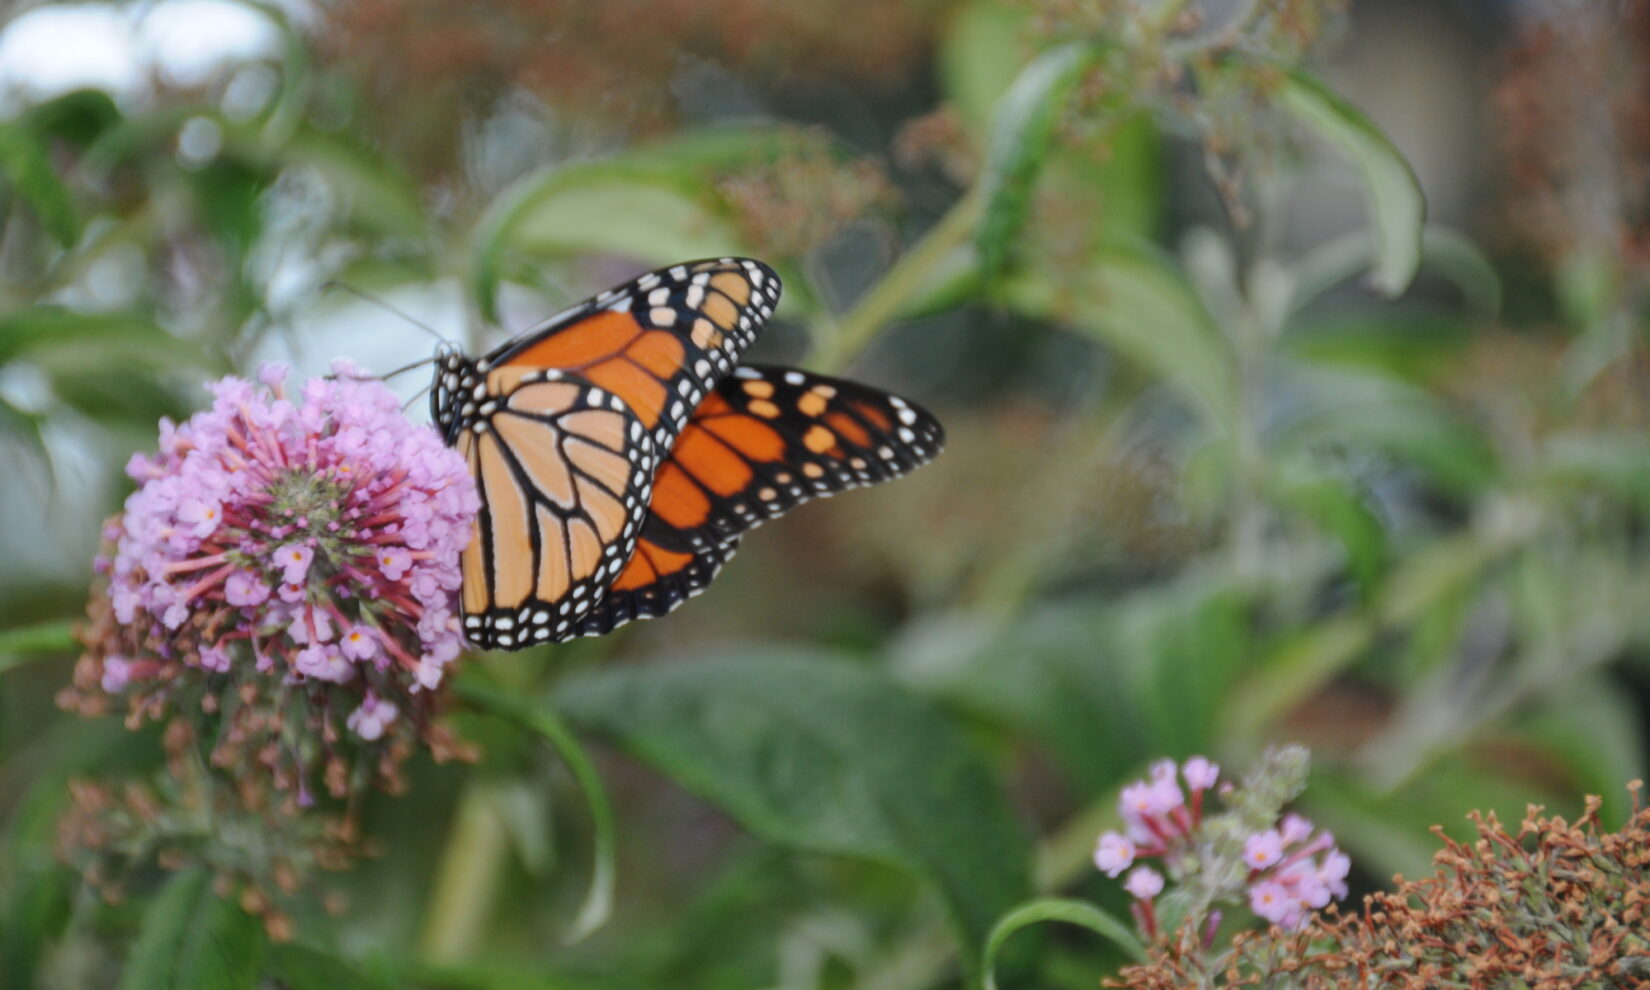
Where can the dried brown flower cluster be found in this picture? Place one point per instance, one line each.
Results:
(1556, 905)
(613, 61)
(1574, 109)
(261, 855)
(255, 713)
(808, 194)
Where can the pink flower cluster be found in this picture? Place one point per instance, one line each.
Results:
(1292, 869)
(1157, 818)
(318, 541)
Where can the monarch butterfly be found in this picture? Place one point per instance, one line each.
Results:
(621, 450)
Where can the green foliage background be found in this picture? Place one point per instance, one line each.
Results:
(1221, 472)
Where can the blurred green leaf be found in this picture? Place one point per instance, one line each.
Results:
(655, 203)
(28, 430)
(35, 914)
(305, 967)
(192, 938)
(1397, 208)
(980, 54)
(78, 117)
(1105, 687)
(30, 331)
(1342, 512)
(1343, 410)
(1443, 250)
(1591, 725)
(25, 163)
(811, 752)
(1135, 300)
(115, 395)
(544, 722)
(1080, 913)
(1310, 657)
(1022, 135)
(1617, 462)
(377, 193)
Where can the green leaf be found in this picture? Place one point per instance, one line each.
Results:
(818, 754)
(1445, 251)
(1070, 912)
(305, 967)
(1022, 135)
(1133, 299)
(35, 915)
(655, 204)
(28, 170)
(32, 331)
(543, 721)
(1592, 727)
(1356, 410)
(78, 117)
(980, 55)
(1614, 462)
(377, 194)
(1397, 208)
(192, 938)
(1341, 511)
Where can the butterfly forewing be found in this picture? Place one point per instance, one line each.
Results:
(769, 439)
(660, 342)
(564, 470)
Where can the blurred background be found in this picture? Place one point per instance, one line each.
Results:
(1208, 484)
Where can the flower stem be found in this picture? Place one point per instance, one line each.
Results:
(466, 879)
(36, 642)
(840, 344)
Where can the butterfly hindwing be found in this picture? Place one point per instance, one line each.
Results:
(655, 581)
(564, 470)
(660, 342)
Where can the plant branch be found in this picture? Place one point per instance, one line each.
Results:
(837, 345)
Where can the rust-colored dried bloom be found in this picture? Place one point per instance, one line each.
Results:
(1574, 111)
(1556, 905)
(612, 63)
(808, 194)
(1179, 69)
(112, 832)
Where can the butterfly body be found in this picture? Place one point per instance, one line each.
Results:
(621, 449)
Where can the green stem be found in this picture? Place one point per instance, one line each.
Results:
(36, 642)
(466, 879)
(840, 344)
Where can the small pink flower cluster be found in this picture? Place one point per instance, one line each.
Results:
(317, 541)
(1158, 821)
(1157, 818)
(1292, 870)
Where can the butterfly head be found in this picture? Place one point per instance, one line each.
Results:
(454, 379)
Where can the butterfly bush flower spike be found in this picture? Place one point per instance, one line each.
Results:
(1246, 852)
(297, 553)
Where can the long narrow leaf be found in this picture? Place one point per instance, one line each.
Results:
(542, 721)
(1397, 208)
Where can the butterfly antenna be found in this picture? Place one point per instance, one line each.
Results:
(369, 297)
(416, 396)
(421, 362)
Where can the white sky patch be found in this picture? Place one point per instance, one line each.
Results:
(55, 49)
